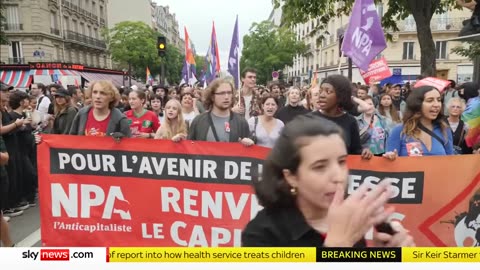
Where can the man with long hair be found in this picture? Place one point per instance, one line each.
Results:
(219, 123)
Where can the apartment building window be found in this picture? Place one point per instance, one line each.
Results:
(95, 33)
(54, 23)
(66, 23)
(86, 5)
(12, 18)
(74, 26)
(325, 59)
(101, 12)
(15, 52)
(94, 8)
(89, 31)
(82, 28)
(408, 50)
(332, 56)
(441, 49)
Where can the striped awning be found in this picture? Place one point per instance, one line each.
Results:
(16, 78)
(58, 72)
(116, 79)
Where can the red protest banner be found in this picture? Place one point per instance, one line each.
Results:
(435, 82)
(95, 192)
(377, 71)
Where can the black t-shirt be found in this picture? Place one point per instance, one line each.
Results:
(288, 113)
(351, 131)
(283, 227)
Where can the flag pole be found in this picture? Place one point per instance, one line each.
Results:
(340, 63)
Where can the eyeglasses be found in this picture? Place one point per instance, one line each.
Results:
(229, 93)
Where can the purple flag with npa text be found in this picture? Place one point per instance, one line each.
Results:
(364, 38)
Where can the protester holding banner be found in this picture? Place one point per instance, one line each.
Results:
(265, 128)
(102, 118)
(64, 112)
(334, 100)
(143, 123)
(373, 129)
(293, 108)
(174, 126)
(424, 131)
(219, 123)
(302, 191)
(387, 110)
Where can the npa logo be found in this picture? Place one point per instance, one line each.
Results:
(48, 255)
(85, 197)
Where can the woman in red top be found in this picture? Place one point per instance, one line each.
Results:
(143, 123)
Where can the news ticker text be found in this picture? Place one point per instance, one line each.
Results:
(268, 255)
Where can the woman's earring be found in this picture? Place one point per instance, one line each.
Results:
(293, 190)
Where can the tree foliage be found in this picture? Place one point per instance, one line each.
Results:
(300, 11)
(136, 43)
(3, 20)
(200, 63)
(468, 49)
(267, 48)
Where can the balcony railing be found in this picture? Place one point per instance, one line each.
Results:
(12, 26)
(16, 60)
(437, 24)
(73, 36)
(55, 31)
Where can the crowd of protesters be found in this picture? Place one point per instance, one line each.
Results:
(388, 121)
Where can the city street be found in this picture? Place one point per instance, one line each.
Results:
(25, 229)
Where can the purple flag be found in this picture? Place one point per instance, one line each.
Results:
(364, 38)
(233, 63)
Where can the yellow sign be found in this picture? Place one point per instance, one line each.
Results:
(453, 254)
(194, 254)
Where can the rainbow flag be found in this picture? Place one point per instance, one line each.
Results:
(471, 116)
(212, 58)
(149, 79)
(189, 60)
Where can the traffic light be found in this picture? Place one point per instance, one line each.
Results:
(161, 46)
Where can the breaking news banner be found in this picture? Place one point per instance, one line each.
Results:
(96, 192)
(129, 255)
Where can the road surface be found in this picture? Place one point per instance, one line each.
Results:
(25, 229)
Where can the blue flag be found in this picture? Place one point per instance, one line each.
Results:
(233, 59)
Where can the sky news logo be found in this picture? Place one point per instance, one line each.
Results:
(55, 255)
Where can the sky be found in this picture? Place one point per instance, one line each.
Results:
(198, 17)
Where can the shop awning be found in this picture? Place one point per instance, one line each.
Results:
(116, 79)
(58, 72)
(16, 78)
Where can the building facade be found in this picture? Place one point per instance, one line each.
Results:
(166, 24)
(128, 10)
(402, 53)
(66, 31)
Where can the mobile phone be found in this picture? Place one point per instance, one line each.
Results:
(385, 228)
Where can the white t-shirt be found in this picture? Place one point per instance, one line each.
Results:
(42, 107)
(189, 116)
